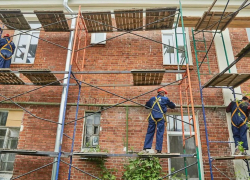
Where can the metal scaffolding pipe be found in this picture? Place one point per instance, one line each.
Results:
(63, 104)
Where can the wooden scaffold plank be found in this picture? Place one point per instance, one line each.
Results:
(7, 77)
(153, 15)
(57, 20)
(40, 77)
(147, 77)
(14, 19)
(101, 17)
(129, 19)
(245, 50)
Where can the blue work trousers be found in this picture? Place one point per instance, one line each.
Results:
(150, 134)
(240, 134)
(4, 63)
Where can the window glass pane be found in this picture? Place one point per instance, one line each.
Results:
(97, 120)
(95, 140)
(1, 143)
(178, 163)
(89, 130)
(3, 118)
(176, 125)
(3, 132)
(9, 166)
(12, 143)
(21, 49)
(168, 52)
(14, 133)
(99, 37)
(11, 157)
(32, 48)
(181, 54)
(3, 166)
(89, 120)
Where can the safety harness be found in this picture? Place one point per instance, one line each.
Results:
(4, 47)
(150, 114)
(238, 108)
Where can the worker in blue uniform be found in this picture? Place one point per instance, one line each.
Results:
(7, 48)
(239, 117)
(157, 118)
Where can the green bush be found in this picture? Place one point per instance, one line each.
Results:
(143, 169)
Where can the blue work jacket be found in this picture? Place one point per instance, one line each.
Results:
(8, 50)
(164, 102)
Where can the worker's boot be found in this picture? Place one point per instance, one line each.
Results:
(158, 152)
(237, 151)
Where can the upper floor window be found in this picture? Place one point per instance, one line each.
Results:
(91, 130)
(170, 53)
(26, 45)
(97, 38)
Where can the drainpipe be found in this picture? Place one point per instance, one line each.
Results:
(60, 127)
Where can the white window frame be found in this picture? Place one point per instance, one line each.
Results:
(93, 38)
(172, 32)
(83, 147)
(5, 145)
(186, 133)
(248, 33)
(16, 42)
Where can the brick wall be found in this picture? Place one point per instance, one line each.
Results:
(123, 53)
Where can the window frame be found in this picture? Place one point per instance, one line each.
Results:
(5, 146)
(248, 33)
(186, 133)
(16, 40)
(172, 32)
(83, 147)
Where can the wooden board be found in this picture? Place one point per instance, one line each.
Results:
(14, 20)
(153, 15)
(7, 77)
(147, 77)
(237, 22)
(231, 157)
(245, 51)
(52, 21)
(40, 77)
(227, 80)
(92, 19)
(209, 21)
(127, 20)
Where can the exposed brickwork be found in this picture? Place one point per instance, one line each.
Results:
(123, 53)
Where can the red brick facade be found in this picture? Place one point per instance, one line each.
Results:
(124, 53)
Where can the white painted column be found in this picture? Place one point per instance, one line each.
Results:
(239, 165)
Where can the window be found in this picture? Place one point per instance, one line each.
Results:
(175, 145)
(91, 130)
(170, 53)
(26, 45)
(98, 37)
(248, 33)
(10, 122)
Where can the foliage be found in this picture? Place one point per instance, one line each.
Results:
(240, 147)
(106, 174)
(143, 169)
(174, 176)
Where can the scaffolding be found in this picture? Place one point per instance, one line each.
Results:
(101, 22)
(215, 23)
